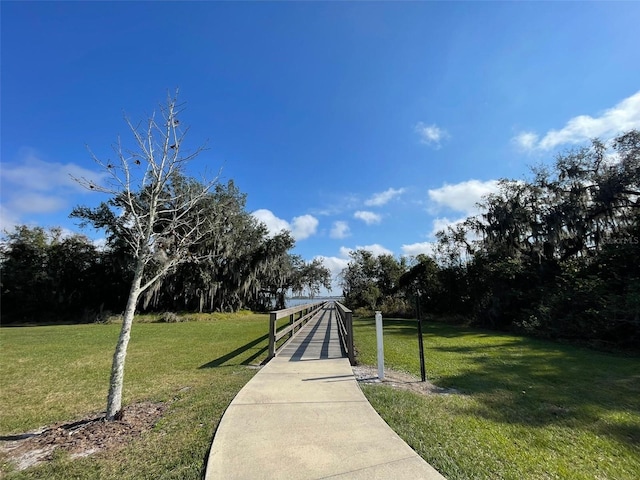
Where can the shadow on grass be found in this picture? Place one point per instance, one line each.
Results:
(220, 361)
(531, 382)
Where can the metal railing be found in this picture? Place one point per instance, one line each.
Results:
(345, 327)
(298, 317)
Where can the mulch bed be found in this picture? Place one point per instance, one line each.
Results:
(83, 437)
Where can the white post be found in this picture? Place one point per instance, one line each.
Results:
(380, 345)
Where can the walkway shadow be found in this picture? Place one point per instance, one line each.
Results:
(239, 351)
(315, 344)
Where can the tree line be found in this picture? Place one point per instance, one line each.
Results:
(556, 255)
(47, 275)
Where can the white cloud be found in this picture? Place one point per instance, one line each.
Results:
(32, 186)
(463, 196)
(8, 220)
(100, 243)
(382, 198)
(526, 140)
(414, 249)
(431, 135)
(38, 203)
(335, 266)
(369, 218)
(376, 249)
(31, 173)
(303, 226)
(300, 227)
(274, 224)
(622, 117)
(443, 223)
(340, 229)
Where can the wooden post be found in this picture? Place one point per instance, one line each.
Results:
(272, 334)
(350, 348)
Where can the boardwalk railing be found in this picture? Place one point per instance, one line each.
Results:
(345, 327)
(298, 317)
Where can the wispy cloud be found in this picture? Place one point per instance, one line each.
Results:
(31, 173)
(442, 223)
(340, 229)
(339, 204)
(382, 198)
(300, 227)
(526, 140)
(463, 196)
(38, 203)
(8, 219)
(413, 249)
(370, 218)
(431, 135)
(376, 249)
(620, 118)
(33, 186)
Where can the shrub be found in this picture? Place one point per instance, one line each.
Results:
(169, 317)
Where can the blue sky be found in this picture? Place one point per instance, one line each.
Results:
(355, 125)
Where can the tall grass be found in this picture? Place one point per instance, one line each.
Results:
(60, 373)
(526, 409)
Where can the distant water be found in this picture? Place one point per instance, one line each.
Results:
(294, 302)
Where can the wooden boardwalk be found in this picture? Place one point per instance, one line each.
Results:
(318, 340)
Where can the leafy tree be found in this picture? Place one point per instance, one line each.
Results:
(218, 276)
(555, 255)
(24, 270)
(46, 275)
(312, 276)
(359, 281)
(421, 282)
(154, 210)
(372, 282)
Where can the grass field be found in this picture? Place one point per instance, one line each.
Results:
(59, 373)
(526, 409)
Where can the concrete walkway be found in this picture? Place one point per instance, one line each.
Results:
(303, 416)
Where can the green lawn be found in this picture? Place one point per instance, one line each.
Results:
(59, 373)
(526, 409)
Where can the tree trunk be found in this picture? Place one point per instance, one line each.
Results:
(114, 399)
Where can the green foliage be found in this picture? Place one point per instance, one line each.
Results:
(46, 276)
(558, 254)
(554, 256)
(46, 273)
(372, 282)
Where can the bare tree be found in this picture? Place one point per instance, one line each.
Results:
(154, 209)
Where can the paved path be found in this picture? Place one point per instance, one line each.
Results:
(303, 416)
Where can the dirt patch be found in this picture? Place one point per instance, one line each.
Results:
(401, 380)
(81, 438)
